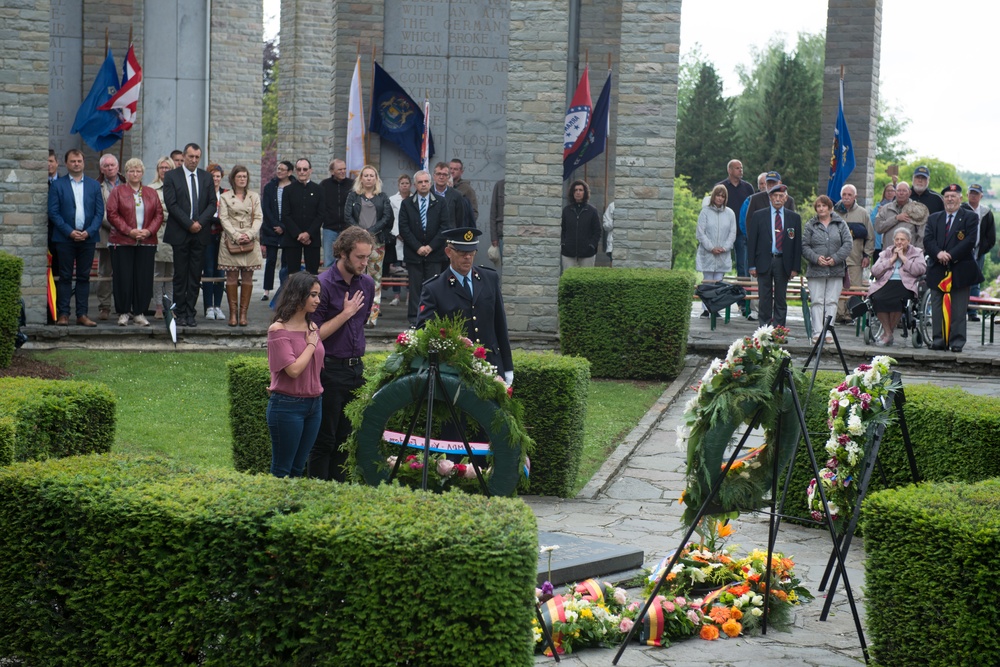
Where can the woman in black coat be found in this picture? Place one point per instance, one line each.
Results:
(581, 228)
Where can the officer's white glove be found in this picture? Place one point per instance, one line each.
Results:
(508, 377)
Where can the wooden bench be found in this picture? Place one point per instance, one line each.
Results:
(989, 308)
(797, 288)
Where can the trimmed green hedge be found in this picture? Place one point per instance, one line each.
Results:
(955, 437)
(630, 323)
(930, 574)
(125, 561)
(11, 268)
(8, 439)
(552, 388)
(56, 418)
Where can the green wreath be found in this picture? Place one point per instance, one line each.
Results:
(467, 377)
(732, 392)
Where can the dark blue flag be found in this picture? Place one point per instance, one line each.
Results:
(841, 155)
(596, 140)
(96, 127)
(396, 117)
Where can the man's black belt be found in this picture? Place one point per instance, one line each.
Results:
(341, 361)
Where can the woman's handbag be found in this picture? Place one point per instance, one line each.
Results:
(235, 248)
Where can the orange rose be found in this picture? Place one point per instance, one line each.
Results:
(732, 628)
(709, 632)
(780, 594)
(735, 613)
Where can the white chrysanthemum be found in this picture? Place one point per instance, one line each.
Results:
(691, 404)
(854, 425)
(735, 350)
(765, 332)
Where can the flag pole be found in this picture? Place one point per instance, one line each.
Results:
(371, 103)
(607, 151)
(586, 63)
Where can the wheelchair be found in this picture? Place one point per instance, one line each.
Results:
(915, 324)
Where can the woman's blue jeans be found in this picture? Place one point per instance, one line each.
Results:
(293, 423)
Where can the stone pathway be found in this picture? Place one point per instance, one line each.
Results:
(632, 500)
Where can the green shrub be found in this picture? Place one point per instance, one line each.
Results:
(138, 561)
(8, 440)
(56, 418)
(930, 574)
(630, 323)
(955, 437)
(11, 268)
(553, 390)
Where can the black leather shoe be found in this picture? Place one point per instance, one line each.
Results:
(705, 314)
(973, 317)
(936, 346)
(956, 349)
(192, 322)
(751, 318)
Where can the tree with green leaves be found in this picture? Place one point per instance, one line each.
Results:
(684, 242)
(704, 132)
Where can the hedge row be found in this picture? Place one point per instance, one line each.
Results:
(11, 268)
(630, 323)
(552, 388)
(955, 437)
(930, 574)
(55, 418)
(125, 561)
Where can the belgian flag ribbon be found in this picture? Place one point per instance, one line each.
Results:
(945, 287)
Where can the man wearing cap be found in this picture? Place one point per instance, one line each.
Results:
(902, 211)
(922, 193)
(739, 191)
(762, 200)
(422, 219)
(986, 239)
(473, 292)
(950, 242)
(774, 252)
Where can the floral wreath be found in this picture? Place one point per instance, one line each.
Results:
(856, 409)
(398, 383)
(729, 394)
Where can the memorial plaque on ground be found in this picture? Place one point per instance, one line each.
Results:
(578, 559)
(454, 54)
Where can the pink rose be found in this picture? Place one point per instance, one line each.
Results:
(668, 606)
(479, 352)
(416, 465)
(680, 601)
(470, 472)
(626, 624)
(693, 616)
(445, 467)
(634, 606)
(467, 341)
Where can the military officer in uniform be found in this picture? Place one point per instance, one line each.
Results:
(473, 291)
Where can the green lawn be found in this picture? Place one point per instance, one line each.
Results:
(176, 404)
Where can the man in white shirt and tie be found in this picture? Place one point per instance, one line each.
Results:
(423, 218)
(774, 252)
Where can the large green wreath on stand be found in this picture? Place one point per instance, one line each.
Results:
(729, 395)
(396, 390)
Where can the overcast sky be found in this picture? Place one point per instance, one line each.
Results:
(944, 47)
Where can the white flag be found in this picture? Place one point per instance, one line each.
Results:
(355, 125)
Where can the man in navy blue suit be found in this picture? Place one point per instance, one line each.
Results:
(774, 253)
(474, 292)
(422, 219)
(76, 209)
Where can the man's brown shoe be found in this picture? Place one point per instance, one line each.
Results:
(103, 314)
(63, 321)
(85, 321)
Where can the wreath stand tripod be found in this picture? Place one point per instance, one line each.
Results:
(784, 380)
(871, 461)
(434, 386)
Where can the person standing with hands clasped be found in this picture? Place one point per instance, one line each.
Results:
(295, 358)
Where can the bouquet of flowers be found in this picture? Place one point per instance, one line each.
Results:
(588, 614)
(442, 474)
(856, 409)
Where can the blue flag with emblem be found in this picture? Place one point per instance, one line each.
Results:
(96, 127)
(841, 155)
(595, 139)
(396, 117)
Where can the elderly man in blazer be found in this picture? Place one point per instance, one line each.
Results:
(422, 219)
(949, 241)
(189, 195)
(76, 209)
(774, 252)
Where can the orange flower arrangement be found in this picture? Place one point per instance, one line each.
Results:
(720, 614)
(709, 632)
(732, 628)
(735, 613)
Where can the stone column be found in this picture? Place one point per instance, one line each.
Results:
(234, 121)
(854, 40)
(24, 61)
(645, 135)
(536, 109)
(305, 77)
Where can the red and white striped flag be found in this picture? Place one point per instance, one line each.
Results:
(126, 100)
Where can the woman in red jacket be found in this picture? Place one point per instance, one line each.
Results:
(135, 215)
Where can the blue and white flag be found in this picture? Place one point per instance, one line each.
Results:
(96, 127)
(594, 140)
(841, 155)
(396, 117)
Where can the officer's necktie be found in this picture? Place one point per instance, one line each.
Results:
(468, 284)
(423, 212)
(947, 227)
(778, 230)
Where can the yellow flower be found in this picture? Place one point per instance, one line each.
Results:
(586, 613)
(725, 530)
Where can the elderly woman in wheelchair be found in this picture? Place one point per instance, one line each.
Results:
(896, 276)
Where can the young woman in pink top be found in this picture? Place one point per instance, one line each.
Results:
(295, 357)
